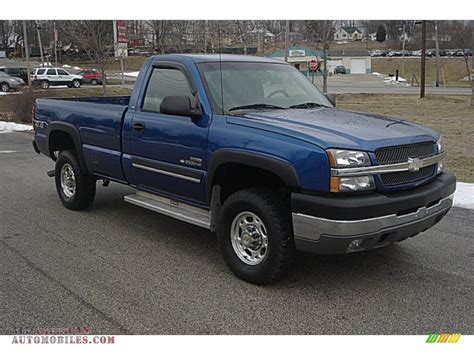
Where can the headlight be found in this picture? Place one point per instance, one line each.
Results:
(339, 158)
(352, 183)
(440, 145)
(347, 158)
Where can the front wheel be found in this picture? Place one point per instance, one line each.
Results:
(255, 235)
(76, 188)
(76, 84)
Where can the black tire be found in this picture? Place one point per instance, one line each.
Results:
(76, 84)
(276, 218)
(45, 84)
(84, 184)
(94, 82)
(4, 87)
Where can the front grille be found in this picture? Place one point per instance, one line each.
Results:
(402, 177)
(401, 153)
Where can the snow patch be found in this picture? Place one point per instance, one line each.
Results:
(6, 127)
(464, 195)
(134, 74)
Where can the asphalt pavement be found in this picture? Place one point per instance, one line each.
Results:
(124, 270)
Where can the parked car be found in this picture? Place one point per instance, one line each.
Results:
(394, 54)
(17, 72)
(8, 82)
(416, 53)
(46, 77)
(92, 77)
(271, 169)
(379, 53)
(340, 69)
(463, 52)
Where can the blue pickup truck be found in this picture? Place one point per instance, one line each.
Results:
(249, 148)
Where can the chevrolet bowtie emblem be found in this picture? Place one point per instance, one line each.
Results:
(414, 164)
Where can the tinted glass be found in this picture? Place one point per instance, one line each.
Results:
(62, 72)
(51, 72)
(165, 82)
(40, 72)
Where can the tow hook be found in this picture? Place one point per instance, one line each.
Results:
(105, 182)
(51, 173)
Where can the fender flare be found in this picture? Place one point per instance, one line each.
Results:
(72, 131)
(282, 168)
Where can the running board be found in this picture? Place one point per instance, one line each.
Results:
(194, 215)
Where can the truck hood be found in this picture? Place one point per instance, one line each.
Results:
(335, 128)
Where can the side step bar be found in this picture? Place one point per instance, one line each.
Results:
(194, 215)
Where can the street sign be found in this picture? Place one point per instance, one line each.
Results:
(313, 65)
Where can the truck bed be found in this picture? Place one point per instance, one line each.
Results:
(98, 120)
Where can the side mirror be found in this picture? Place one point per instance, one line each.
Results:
(331, 98)
(178, 106)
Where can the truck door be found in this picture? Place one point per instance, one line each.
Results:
(167, 152)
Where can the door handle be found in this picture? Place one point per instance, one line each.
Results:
(138, 127)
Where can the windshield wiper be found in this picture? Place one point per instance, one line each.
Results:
(256, 106)
(307, 105)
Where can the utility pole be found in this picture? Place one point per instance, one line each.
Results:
(55, 44)
(27, 53)
(206, 34)
(423, 58)
(38, 28)
(437, 52)
(287, 30)
(403, 51)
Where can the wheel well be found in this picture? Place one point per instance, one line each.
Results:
(232, 177)
(60, 140)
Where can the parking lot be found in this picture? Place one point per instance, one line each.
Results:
(124, 270)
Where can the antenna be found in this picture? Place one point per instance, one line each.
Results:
(220, 66)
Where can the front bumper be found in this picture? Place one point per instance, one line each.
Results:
(347, 224)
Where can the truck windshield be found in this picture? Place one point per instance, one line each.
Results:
(258, 86)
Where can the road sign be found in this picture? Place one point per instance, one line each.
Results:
(313, 65)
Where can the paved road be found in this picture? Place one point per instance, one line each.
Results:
(122, 269)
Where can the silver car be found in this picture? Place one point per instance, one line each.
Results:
(8, 82)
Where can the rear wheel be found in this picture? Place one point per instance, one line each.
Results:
(75, 188)
(255, 235)
(4, 87)
(94, 82)
(45, 84)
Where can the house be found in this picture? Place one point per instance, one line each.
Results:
(298, 56)
(356, 61)
(348, 34)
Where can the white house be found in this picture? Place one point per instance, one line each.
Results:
(348, 34)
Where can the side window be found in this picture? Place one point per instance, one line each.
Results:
(62, 72)
(51, 72)
(40, 72)
(14, 71)
(165, 82)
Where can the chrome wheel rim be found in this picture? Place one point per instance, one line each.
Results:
(68, 180)
(5, 87)
(44, 85)
(249, 238)
(76, 84)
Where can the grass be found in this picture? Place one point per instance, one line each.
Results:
(451, 115)
(452, 69)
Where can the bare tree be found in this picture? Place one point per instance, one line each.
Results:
(95, 38)
(161, 29)
(321, 31)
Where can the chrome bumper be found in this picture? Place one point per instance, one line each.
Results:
(317, 230)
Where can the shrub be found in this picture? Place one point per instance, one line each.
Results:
(22, 103)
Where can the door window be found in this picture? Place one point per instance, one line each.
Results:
(165, 82)
(62, 72)
(51, 72)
